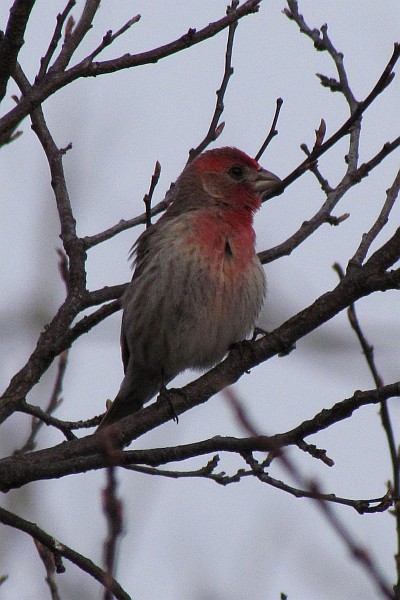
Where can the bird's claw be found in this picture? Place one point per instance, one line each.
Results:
(258, 331)
(166, 393)
(241, 347)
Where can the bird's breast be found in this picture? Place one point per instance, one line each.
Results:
(225, 241)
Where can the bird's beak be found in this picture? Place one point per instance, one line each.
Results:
(265, 181)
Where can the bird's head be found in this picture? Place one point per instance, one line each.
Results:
(224, 177)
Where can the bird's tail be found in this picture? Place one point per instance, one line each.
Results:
(133, 394)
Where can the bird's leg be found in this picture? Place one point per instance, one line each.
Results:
(165, 393)
(241, 347)
(287, 347)
(258, 331)
(242, 344)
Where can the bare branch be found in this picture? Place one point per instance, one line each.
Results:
(324, 183)
(322, 42)
(368, 352)
(323, 215)
(148, 197)
(72, 245)
(12, 40)
(362, 506)
(57, 78)
(61, 550)
(89, 321)
(272, 132)
(86, 453)
(363, 277)
(367, 239)
(360, 554)
(113, 509)
(110, 37)
(61, 17)
(78, 33)
(65, 427)
(123, 225)
(53, 404)
(216, 128)
(48, 561)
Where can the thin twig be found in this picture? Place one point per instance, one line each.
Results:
(322, 41)
(216, 128)
(76, 36)
(43, 416)
(318, 453)
(61, 550)
(323, 215)
(368, 351)
(384, 80)
(57, 78)
(148, 197)
(110, 37)
(113, 509)
(12, 39)
(45, 61)
(123, 225)
(105, 294)
(66, 427)
(48, 561)
(314, 491)
(361, 506)
(272, 132)
(324, 183)
(52, 405)
(367, 239)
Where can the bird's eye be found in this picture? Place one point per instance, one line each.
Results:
(236, 172)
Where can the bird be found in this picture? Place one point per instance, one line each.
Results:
(198, 285)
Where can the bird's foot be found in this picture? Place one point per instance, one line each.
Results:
(258, 331)
(286, 346)
(166, 393)
(242, 347)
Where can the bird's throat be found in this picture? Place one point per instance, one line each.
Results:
(222, 236)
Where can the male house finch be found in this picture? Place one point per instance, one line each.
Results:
(198, 285)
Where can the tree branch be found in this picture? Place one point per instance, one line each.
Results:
(207, 472)
(76, 36)
(85, 454)
(323, 215)
(318, 150)
(61, 18)
(12, 40)
(216, 129)
(56, 79)
(367, 239)
(60, 549)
